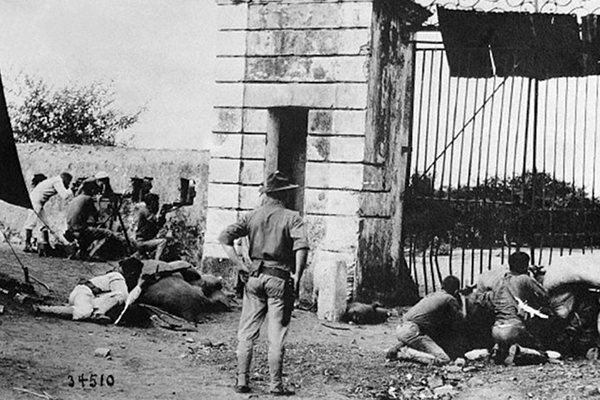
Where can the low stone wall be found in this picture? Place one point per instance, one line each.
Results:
(165, 166)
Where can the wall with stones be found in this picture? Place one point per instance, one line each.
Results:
(166, 166)
(311, 54)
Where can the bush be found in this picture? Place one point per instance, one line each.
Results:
(83, 115)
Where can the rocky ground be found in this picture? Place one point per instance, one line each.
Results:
(44, 357)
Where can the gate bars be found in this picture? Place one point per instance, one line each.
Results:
(498, 163)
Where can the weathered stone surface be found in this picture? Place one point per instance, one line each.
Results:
(217, 219)
(349, 122)
(335, 149)
(374, 178)
(232, 16)
(224, 170)
(331, 175)
(329, 280)
(230, 69)
(223, 195)
(228, 120)
(255, 120)
(307, 42)
(249, 197)
(277, 15)
(213, 249)
(229, 95)
(306, 69)
(231, 43)
(332, 202)
(226, 145)
(341, 234)
(252, 171)
(280, 95)
(254, 146)
(320, 121)
(375, 204)
(351, 95)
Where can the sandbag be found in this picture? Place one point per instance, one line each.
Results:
(567, 271)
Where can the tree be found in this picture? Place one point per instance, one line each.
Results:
(70, 115)
(528, 207)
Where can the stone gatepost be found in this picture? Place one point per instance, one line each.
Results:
(293, 85)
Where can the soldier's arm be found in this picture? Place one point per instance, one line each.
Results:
(227, 238)
(301, 256)
(62, 190)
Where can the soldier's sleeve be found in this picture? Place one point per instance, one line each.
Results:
(298, 233)
(539, 292)
(62, 190)
(455, 310)
(233, 231)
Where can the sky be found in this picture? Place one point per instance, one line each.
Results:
(159, 54)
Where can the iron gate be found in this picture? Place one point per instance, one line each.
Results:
(497, 163)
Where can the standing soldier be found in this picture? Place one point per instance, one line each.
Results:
(278, 247)
(40, 195)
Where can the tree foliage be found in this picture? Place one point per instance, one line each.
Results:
(70, 114)
(528, 208)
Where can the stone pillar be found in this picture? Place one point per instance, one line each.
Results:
(313, 55)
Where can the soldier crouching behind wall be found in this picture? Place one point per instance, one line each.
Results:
(430, 326)
(82, 217)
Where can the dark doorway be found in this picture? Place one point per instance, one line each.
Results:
(286, 147)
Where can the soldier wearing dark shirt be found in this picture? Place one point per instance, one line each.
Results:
(435, 318)
(149, 221)
(82, 217)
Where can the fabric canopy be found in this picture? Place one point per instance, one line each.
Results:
(541, 46)
(13, 189)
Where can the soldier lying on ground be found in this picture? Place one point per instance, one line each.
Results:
(430, 326)
(91, 299)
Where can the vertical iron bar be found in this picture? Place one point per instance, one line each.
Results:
(596, 131)
(429, 97)
(451, 250)
(489, 142)
(500, 132)
(437, 128)
(447, 112)
(472, 135)
(485, 82)
(431, 245)
(462, 139)
(457, 83)
(425, 269)
(420, 114)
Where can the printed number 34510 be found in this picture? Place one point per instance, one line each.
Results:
(91, 380)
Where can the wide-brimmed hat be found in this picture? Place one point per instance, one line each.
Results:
(277, 182)
(101, 175)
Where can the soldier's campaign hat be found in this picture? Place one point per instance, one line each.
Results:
(101, 175)
(277, 182)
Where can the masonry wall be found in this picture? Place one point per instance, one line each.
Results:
(166, 166)
(382, 273)
(311, 54)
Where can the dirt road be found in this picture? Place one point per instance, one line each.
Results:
(44, 357)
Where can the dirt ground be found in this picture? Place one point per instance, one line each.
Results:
(45, 357)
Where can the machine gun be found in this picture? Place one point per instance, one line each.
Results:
(187, 193)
